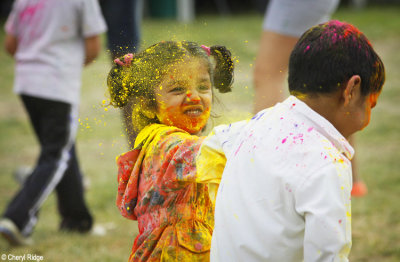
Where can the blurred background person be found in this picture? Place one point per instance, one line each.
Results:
(51, 41)
(123, 18)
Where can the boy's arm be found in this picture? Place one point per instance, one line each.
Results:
(92, 48)
(11, 44)
(324, 202)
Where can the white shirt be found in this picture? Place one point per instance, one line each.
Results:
(50, 54)
(285, 190)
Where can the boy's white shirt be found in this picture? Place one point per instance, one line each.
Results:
(51, 51)
(285, 190)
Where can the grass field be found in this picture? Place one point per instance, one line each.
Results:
(376, 217)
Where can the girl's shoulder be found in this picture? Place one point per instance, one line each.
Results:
(160, 133)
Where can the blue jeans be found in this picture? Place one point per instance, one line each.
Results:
(123, 18)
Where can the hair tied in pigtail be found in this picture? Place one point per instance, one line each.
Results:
(207, 49)
(127, 60)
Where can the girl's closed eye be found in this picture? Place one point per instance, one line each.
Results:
(177, 89)
(204, 88)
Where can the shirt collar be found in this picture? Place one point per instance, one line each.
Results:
(321, 125)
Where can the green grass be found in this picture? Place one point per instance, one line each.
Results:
(376, 218)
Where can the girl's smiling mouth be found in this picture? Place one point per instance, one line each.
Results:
(193, 111)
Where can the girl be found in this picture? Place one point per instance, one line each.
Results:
(170, 84)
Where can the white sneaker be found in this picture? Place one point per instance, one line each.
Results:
(101, 229)
(12, 234)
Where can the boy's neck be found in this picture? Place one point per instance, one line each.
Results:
(329, 107)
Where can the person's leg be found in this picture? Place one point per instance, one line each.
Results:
(74, 212)
(271, 68)
(123, 18)
(360, 189)
(50, 120)
(285, 21)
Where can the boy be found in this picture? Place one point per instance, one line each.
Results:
(285, 190)
(51, 40)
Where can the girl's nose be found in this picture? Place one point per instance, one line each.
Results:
(192, 97)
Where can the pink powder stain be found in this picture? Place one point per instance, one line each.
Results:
(310, 129)
(284, 140)
(340, 221)
(30, 11)
(297, 138)
(334, 38)
(307, 48)
(198, 246)
(237, 151)
(288, 188)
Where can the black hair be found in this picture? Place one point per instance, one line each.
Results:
(327, 55)
(147, 68)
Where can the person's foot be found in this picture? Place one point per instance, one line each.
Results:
(359, 189)
(12, 234)
(82, 226)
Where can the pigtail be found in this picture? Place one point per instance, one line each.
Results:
(223, 73)
(120, 81)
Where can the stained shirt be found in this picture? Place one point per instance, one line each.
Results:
(285, 192)
(51, 51)
(156, 187)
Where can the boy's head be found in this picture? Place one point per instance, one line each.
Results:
(335, 60)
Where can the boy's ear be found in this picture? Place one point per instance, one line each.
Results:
(352, 89)
(145, 108)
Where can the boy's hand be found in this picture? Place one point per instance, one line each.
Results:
(92, 48)
(11, 44)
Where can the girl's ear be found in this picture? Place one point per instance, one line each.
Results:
(352, 90)
(145, 108)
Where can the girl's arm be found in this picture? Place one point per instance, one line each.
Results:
(215, 149)
(11, 44)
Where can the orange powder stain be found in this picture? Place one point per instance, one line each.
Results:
(371, 103)
(174, 117)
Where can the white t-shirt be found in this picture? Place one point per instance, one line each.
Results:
(285, 190)
(50, 53)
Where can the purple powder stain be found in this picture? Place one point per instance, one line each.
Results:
(257, 116)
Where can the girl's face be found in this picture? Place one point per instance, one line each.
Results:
(184, 96)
